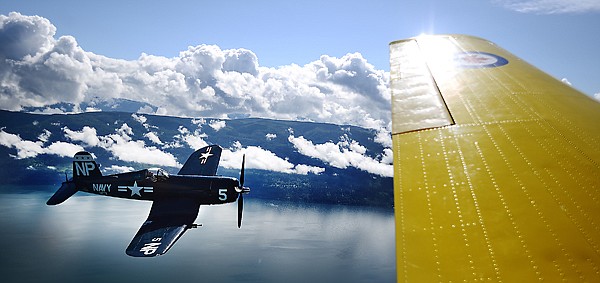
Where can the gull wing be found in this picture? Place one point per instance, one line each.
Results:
(496, 167)
(169, 218)
(204, 161)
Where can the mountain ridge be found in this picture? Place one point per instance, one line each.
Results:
(310, 155)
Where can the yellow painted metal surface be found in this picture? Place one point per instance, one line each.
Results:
(508, 192)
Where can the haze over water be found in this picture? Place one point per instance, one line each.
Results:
(84, 240)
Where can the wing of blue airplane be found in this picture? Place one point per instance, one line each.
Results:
(204, 161)
(169, 218)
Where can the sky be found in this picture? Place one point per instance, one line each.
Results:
(324, 61)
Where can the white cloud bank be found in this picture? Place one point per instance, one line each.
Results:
(344, 154)
(39, 70)
(551, 6)
(259, 158)
(27, 149)
(217, 125)
(122, 147)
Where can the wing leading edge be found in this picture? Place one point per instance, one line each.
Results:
(169, 218)
(495, 167)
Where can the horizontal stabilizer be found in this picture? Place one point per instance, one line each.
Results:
(64, 192)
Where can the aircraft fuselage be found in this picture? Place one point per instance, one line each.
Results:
(140, 186)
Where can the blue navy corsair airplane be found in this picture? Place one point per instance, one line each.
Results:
(176, 198)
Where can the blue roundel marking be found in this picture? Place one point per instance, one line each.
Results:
(475, 59)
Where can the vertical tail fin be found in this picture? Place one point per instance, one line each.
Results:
(204, 161)
(85, 166)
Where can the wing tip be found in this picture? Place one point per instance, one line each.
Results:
(134, 253)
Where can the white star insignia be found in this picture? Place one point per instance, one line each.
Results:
(135, 190)
(204, 156)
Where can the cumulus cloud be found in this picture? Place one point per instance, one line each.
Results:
(122, 146)
(87, 135)
(24, 36)
(115, 169)
(551, 6)
(63, 149)
(137, 151)
(256, 157)
(597, 96)
(259, 158)
(217, 124)
(28, 149)
(194, 140)
(141, 119)
(25, 149)
(39, 70)
(344, 154)
(384, 137)
(153, 137)
(44, 136)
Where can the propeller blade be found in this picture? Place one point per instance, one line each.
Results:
(242, 172)
(240, 190)
(240, 209)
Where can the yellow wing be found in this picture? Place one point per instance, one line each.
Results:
(496, 167)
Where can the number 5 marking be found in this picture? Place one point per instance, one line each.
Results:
(223, 194)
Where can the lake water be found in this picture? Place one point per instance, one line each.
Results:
(84, 240)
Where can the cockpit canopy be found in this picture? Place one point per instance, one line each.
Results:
(157, 174)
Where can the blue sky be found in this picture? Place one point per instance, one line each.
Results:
(285, 32)
(560, 37)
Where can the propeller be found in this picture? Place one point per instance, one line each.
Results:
(241, 190)
(242, 173)
(240, 209)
